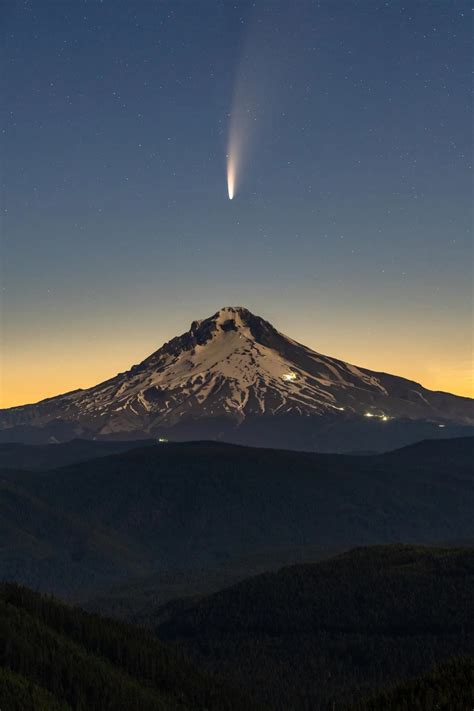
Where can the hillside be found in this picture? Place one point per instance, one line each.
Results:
(78, 529)
(448, 687)
(382, 629)
(53, 657)
(132, 600)
(314, 636)
(17, 693)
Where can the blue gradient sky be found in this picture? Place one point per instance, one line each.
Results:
(351, 228)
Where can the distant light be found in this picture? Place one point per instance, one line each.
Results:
(341, 409)
(441, 425)
(162, 440)
(384, 418)
(289, 376)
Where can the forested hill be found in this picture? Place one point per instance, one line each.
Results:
(77, 530)
(54, 658)
(387, 628)
(449, 687)
(310, 636)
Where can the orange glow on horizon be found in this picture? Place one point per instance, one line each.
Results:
(60, 370)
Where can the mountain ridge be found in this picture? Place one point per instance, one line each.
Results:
(80, 528)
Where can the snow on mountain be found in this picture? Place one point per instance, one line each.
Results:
(235, 365)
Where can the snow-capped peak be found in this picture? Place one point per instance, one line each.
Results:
(234, 364)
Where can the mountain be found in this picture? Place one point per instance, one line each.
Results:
(327, 635)
(79, 529)
(233, 376)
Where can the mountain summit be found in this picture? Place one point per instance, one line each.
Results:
(234, 376)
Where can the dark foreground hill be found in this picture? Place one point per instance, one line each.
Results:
(380, 629)
(448, 687)
(56, 658)
(325, 635)
(77, 529)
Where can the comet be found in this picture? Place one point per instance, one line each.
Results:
(236, 149)
(241, 133)
(258, 76)
(230, 177)
(243, 117)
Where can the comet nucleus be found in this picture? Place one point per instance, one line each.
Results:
(235, 150)
(230, 177)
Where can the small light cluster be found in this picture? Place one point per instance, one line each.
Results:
(289, 376)
(384, 418)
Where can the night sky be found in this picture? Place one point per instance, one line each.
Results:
(350, 227)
